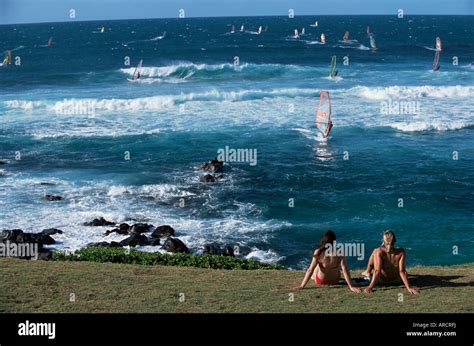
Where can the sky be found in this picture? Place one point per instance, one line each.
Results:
(35, 11)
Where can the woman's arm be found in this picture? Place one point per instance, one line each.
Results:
(377, 268)
(347, 276)
(309, 272)
(404, 274)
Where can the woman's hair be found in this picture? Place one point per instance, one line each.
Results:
(389, 237)
(327, 238)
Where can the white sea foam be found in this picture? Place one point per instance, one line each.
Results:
(103, 199)
(432, 125)
(159, 102)
(404, 92)
(268, 256)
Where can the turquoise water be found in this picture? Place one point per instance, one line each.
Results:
(192, 101)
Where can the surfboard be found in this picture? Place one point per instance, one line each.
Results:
(439, 48)
(323, 114)
(332, 70)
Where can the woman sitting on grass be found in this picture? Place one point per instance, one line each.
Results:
(388, 264)
(324, 269)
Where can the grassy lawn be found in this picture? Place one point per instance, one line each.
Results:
(39, 286)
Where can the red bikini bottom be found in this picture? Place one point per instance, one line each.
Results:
(321, 282)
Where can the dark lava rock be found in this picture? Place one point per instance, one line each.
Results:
(124, 227)
(134, 240)
(153, 241)
(10, 234)
(53, 198)
(163, 231)
(211, 249)
(42, 239)
(51, 231)
(18, 236)
(175, 245)
(116, 230)
(208, 178)
(44, 255)
(99, 222)
(140, 228)
(214, 165)
(228, 251)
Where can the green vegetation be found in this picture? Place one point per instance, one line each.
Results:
(47, 286)
(120, 255)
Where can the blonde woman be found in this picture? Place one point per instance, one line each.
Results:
(388, 265)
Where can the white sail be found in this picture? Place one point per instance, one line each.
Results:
(323, 38)
(138, 69)
(372, 42)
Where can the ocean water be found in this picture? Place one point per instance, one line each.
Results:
(192, 100)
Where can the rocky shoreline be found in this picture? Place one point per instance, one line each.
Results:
(136, 234)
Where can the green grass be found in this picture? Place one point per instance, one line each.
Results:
(41, 286)
(120, 255)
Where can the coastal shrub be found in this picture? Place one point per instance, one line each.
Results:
(120, 255)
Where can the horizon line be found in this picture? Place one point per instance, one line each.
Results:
(248, 16)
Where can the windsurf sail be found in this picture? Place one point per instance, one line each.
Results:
(102, 29)
(242, 28)
(323, 38)
(302, 31)
(368, 30)
(438, 44)
(439, 48)
(233, 29)
(8, 58)
(333, 71)
(259, 30)
(138, 70)
(323, 114)
(345, 38)
(50, 42)
(296, 34)
(373, 45)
